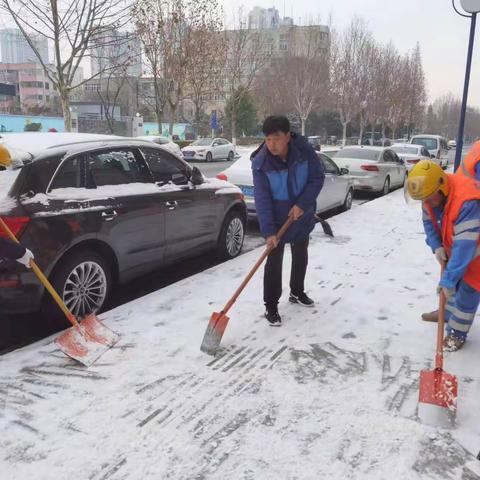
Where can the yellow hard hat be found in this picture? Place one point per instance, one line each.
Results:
(425, 179)
(5, 158)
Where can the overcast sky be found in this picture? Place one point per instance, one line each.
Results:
(442, 34)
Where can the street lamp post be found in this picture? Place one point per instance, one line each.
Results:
(473, 7)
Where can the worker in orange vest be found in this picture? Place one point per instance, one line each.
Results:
(451, 219)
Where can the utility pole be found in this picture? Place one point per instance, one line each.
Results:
(472, 7)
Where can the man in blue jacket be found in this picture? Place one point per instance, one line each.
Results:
(287, 178)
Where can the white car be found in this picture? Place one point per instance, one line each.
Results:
(165, 142)
(337, 191)
(410, 153)
(209, 149)
(452, 143)
(436, 146)
(374, 169)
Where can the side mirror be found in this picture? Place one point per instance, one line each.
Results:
(344, 171)
(433, 155)
(197, 177)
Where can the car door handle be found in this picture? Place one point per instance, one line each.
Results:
(109, 215)
(171, 205)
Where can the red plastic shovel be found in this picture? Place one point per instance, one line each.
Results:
(86, 340)
(437, 387)
(219, 320)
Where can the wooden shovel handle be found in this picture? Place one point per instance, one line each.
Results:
(441, 324)
(264, 255)
(70, 317)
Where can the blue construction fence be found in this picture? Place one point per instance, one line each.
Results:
(17, 123)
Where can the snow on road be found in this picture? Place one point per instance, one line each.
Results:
(331, 395)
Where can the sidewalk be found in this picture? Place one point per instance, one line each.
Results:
(330, 395)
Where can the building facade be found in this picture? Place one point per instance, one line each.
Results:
(121, 51)
(14, 48)
(35, 91)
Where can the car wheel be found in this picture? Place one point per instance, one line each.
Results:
(230, 156)
(208, 157)
(230, 241)
(386, 186)
(83, 280)
(347, 204)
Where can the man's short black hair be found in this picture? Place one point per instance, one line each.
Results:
(274, 124)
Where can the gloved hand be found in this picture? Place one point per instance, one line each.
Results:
(441, 255)
(448, 292)
(25, 260)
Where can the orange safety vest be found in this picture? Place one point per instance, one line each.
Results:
(467, 167)
(462, 189)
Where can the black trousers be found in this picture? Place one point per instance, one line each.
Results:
(272, 279)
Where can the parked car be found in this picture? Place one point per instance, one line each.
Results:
(436, 146)
(209, 149)
(410, 153)
(168, 144)
(452, 143)
(376, 139)
(337, 191)
(374, 169)
(100, 213)
(316, 142)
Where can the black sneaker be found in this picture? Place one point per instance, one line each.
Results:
(302, 299)
(273, 317)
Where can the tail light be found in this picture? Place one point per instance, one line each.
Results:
(16, 224)
(413, 160)
(369, 168)
(221, 176)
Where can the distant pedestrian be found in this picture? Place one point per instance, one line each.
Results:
(287, 178)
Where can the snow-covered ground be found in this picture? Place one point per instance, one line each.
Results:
(332, 394)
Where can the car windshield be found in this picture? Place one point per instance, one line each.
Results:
(405, 150)
(428, 143)
(202, 142)
(360, 153)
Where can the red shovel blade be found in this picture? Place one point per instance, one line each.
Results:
(214, 333)
(438, 388)
(87, 341)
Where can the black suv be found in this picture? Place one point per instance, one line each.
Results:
(97, 213)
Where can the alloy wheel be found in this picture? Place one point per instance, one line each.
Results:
(234, 237)
(85, 289)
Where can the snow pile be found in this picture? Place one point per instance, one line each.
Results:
(331, 395)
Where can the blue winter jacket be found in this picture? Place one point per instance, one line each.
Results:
(278, 186)
(467, 232)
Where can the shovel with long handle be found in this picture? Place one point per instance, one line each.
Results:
(219, 320)
(86, 340)
(437, 387)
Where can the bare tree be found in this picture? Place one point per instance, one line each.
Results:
(205, 62)
(346, 58)
(416, 92)
(246, 56)
(307, 70)
(70, 26)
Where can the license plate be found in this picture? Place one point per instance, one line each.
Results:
(188, 154)
(247, 190)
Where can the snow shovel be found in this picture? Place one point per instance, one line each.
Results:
(88, 339)
(327, 229)
(219, 320)
(438, 389)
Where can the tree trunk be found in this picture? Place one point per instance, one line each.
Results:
(158, 106)
(234, 124)
(344, 139)
(67, 114)
(383, 133)
(197, 119)
(304, 121)
(362, 128)
(394, 130)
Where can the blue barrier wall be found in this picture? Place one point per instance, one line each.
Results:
(16, 123)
